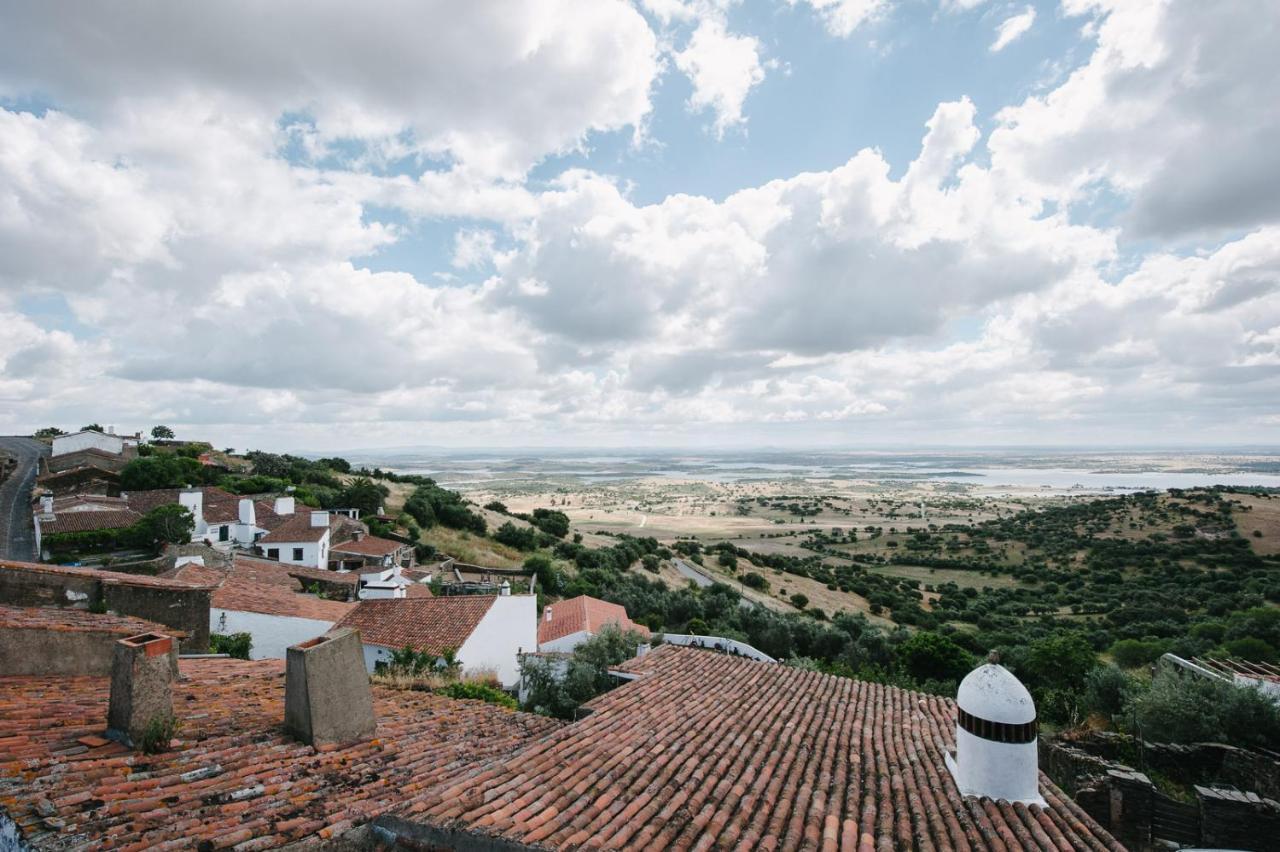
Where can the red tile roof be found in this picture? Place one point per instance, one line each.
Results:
(270, 588)
(370, 545)
(235, 776)
(295, 527)
(89, 521)
(583, 613)
(78, 620)
(426, 624)
(110, 577)
(708, 751)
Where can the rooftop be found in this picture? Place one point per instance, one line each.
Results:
(424, 623)
(583, 613)
(110, 577)
(77, 620)
(89, 521)
(235, 775)
(1231, 668)
(704, 751)
(294, 528)
(266, 587)
(369, 545)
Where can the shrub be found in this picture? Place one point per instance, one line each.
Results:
(479, 692)
(1132, 653)
(755, 581)
(237, 645)
(159, 732)
(930, 656)
(1107, 689)
(1188, 709)
(799, 601)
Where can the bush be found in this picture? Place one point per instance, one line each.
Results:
(237, 645)
(1187, 709)
(548, 577)
(1252, 649)
(799, 601)
(479, 692)
(930, 656)
(1132, 653)
(1106, 691)
(159, 732)
(755, 581)
(521, 538)
(551, 522)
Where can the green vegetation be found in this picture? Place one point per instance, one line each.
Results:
(163, 525)
(160, 433)
(585, 676)
(237, 645)
(159, 733)
(479, 692)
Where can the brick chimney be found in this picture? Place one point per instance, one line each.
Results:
(142, 670)
(327, 699)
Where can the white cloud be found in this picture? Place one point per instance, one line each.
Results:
(494, 86)
(723, 68)
(1175, 112)
(1013, 28)
(842, 17)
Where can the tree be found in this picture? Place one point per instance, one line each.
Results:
(363, 494)
(1132, 653)
(585, 677)
(48, 432)
(92, 427)
(551, 522)
(799, 601)
(161, 433)
(931, 656)
(168, 524)
(161, 471)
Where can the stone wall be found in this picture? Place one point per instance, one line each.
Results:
(181, 606)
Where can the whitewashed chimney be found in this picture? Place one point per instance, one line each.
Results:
(320, 519)
(46, 506)
(247, 512)
(996, 731)
(285, 505)
(505, 590)
(192, 499)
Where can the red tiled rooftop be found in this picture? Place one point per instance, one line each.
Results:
(89, 520)
(583, 613)
(267, 587)
(78, 620)
(235, 776)
(110, 577)
(705, 751)
(295, 527)
(370, 545)
(424, 623)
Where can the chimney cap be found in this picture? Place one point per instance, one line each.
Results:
(992, 692)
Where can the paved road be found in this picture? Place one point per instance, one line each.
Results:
(17, 538)
(704, 580)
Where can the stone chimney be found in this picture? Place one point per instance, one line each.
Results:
(357, 535)
(142, 670)
(327, 699)
(319, 519)
(247, 514)
(284, 505)
(996, 733)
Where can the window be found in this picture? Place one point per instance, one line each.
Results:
(224, 532)
(297, 554)
(273, 553)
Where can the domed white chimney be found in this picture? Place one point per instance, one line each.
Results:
(996, 737)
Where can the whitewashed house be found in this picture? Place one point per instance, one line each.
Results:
(487, 633)
(91, 439)
(569, 623)
(302, 539)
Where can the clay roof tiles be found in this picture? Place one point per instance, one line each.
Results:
(89, 521)
(235, 776)
(77, 620)
(424, 623)
(110, 577)
(708, 751)
(292, 528)
(370, 545)
(583, 613)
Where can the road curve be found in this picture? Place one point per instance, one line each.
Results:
(17, 538)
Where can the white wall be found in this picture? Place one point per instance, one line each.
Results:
(565, 644)
(314, 553)
(64, 444)
(509, 627)
(272, 634)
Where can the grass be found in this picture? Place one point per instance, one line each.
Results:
(472, 549)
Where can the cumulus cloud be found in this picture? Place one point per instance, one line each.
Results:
(723, 68)
(1174, 111)
(400, 76)
(1013, 28)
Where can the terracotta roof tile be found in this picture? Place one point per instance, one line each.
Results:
(426, 624)
(295, 527)
(111, 577)
(709, 751)
(77, 620)
(89, 521)
(236, 776)
(583, 613)
(269, 587)
(370, 545)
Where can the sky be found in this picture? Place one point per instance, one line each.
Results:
(682, 223)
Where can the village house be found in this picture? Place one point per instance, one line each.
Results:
(695, 750)
(567, 624)
(487, 633)
(363, 551)
(91, 439)
(263, 598)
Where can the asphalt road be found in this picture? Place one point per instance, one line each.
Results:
(17, 538)
(703, 580)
